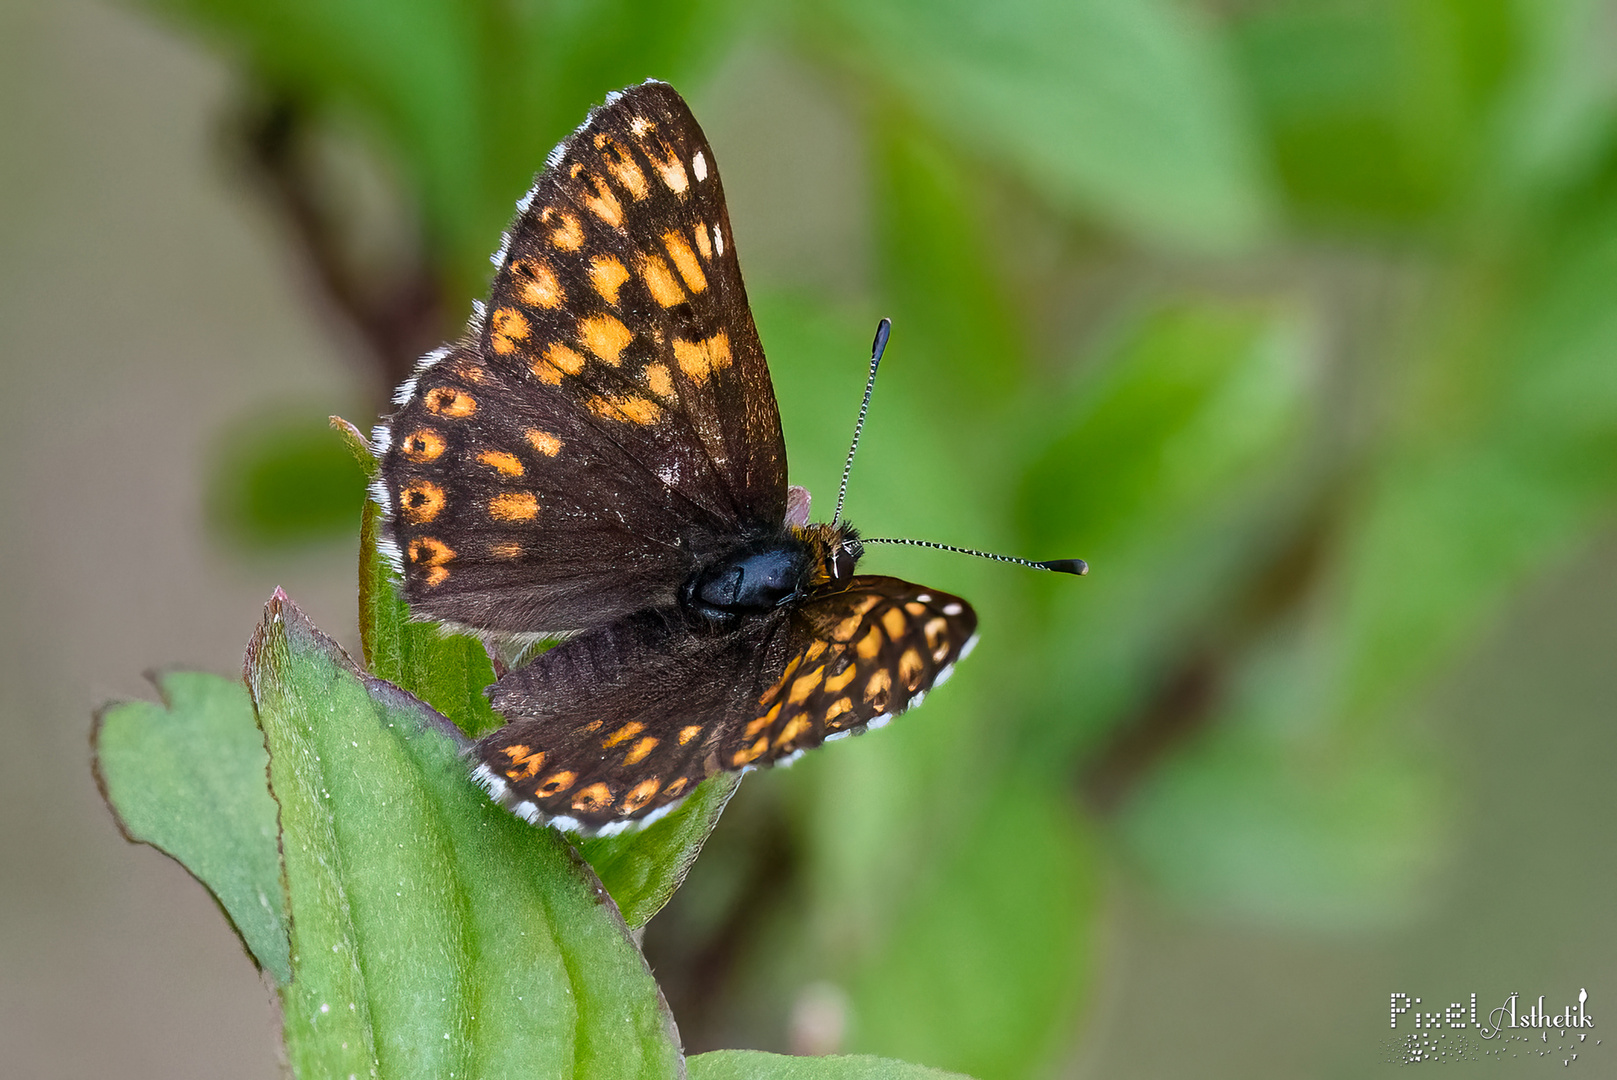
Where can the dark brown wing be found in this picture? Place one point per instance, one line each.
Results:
(611, 424)
(611, 729)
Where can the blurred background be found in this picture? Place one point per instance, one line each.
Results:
(1298, 320)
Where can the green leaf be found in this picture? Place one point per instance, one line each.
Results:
(642, 869)
(756, 1065)
(1123, 109)
(189, 778)
(432, 932)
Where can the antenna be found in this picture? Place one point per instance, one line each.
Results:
(1059, 566)
(877, 347)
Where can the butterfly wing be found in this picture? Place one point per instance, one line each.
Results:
(857, 657)
(611, 424)
(611, 729)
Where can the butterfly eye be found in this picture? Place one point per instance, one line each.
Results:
(842, 562)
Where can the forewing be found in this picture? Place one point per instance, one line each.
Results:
(619, 290)
(508, 512)
(610, 424)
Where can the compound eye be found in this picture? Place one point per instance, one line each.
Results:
(842, 563)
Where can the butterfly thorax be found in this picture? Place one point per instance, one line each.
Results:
(768, 571)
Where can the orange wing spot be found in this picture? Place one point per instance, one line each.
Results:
(623, 734)
(421, 502)
(605, 336)
(608, 275)
(506, 549)
(838, 707)
(936, 637)
(543, 441)
(877, 688)
(472, 373)
(915, 608)
(910, 666)
(447, 401)
(558, 360)
(556, 783)
(638, 752)
(870, 644)
(568, 235)
(893, 620)
(531, 761)
(751, 753)
(764, 721)
(686, 734)
(693, 361)
(430, 555)
(780, 684)
(718, 350)
(796, 726)
(815, 651)
(514, 506)
(847, 628)
(636, 410)
(838, 681)
(661, 383)
(595, 797)
(685, 261)
(673, 789)
(660, 281)
(640, 794)
(703, 244)
(603, 204)
(865, 604)
(622, 166)
(501, 462)
(424, 444)
(537, 284)
(507, 327)
(671, 168)
(804, 686)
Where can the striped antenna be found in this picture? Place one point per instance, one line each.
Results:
(877, 347)
(1059, 566)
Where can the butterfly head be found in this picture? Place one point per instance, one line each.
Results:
(833, 551)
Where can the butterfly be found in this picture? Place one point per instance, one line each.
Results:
(600, 458)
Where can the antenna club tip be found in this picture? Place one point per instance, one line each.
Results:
(879, 345)
(1076, 567)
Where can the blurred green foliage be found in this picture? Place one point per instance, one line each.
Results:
(279, 479)
(1294, 317)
